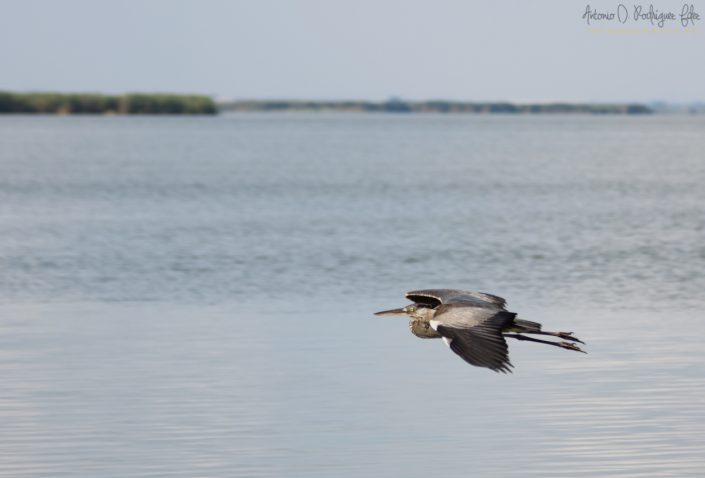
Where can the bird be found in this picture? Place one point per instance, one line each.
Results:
(474, 325)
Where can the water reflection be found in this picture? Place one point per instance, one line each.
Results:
(195, 297)
(152, 389)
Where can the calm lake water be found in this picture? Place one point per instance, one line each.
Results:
(194, 296)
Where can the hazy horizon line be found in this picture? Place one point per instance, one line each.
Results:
(233, 98)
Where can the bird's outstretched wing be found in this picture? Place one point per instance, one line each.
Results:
(436, 297)
(477, 340)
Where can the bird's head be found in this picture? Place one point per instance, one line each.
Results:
(416, 311)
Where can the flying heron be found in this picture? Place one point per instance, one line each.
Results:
(473, 325)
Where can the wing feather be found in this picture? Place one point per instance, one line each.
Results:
(481, 344)
(436, 297)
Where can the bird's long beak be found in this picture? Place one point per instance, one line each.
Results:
(392, 312)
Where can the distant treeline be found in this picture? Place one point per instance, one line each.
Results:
(434, 107)
(173, 104)
(89, 103)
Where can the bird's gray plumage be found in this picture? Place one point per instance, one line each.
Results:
(475, 334)
(473, 324)
(437, 297)
(422, 329)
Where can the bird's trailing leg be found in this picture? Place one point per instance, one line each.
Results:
(562, 335)
(565, 345)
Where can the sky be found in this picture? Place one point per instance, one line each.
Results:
(363, 49)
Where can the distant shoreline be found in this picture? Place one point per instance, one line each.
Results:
(399, 106)
(185, 104)
(99, 104)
